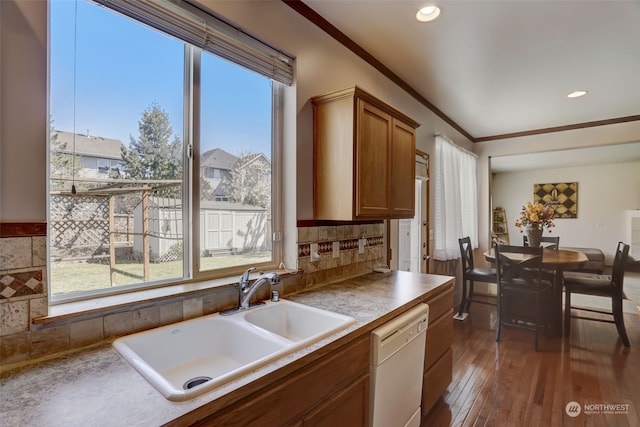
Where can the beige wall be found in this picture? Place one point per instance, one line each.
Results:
(23, 111)
(605, 193)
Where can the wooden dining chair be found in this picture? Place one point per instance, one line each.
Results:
(553, 241)
(470, 275)
(609, 287)
(547, 242)
(523, 294)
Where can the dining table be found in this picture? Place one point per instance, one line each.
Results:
(558, 261)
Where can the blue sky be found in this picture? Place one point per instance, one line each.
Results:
(123, 67)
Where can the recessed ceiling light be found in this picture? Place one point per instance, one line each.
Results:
(428, 13)
(577, 94)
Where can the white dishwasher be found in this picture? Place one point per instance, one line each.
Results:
(397, 365)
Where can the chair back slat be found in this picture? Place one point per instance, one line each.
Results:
(519, 262)
(619, 263)
(466, 252)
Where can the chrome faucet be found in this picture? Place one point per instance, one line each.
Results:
(247, 290)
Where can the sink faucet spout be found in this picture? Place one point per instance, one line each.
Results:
(247, 291)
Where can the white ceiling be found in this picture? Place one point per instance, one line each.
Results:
(498, 67)
(576, 157)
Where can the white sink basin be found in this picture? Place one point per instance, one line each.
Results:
(297, 322)
(188, 358)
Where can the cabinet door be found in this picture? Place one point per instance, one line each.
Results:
(403, 170)
(350, 407)
(373, 137)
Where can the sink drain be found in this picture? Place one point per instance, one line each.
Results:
(193, 382)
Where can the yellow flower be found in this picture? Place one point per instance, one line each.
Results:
(538, 214)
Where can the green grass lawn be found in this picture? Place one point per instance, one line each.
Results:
(70, 278)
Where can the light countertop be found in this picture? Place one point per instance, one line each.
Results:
(96, 387)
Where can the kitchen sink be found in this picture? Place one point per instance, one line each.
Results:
(186, 359)
(297, 322)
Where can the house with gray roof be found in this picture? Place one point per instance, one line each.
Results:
(216, 166)
(98, 155)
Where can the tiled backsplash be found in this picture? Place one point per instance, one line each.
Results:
(23, 292)
(350, 262)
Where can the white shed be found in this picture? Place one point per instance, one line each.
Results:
(224, 227)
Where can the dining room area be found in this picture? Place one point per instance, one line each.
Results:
(546, 376)
(508, 383)
(536, 357)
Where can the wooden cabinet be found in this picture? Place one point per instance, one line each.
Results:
(324, 393)
(438, 359)
(346, 408)
(364, 158)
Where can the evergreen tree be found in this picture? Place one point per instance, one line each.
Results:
(155, 155)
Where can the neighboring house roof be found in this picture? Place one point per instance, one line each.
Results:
(94, 146)
(255, 158)
(218, 159)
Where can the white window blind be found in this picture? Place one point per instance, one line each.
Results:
(202, 29)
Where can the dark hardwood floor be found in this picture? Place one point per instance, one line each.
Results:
(507, 383)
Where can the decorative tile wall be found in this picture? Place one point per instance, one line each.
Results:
(349, 263)
(23, 287)
(22, 267)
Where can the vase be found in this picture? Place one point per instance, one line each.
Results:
(533, 234)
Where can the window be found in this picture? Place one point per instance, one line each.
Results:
(171, 111)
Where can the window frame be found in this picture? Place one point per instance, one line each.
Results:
(277, 117)
(191, 187)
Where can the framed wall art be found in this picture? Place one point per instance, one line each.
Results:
(563, 196)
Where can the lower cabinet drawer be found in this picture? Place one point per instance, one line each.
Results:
(439, 338)
(436, 380)
(440, 304)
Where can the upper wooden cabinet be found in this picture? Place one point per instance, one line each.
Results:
(364, 158)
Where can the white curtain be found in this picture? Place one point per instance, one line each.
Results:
(456, 198)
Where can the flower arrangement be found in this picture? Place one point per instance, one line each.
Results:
(536, 215)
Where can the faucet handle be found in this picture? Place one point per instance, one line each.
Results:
(245, 276)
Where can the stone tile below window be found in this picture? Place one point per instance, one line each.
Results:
(14, 348)
(146, 318)
(118, 324)
(86, 332)
(220, 300)
(49, 340)
(192, 308)
(170, 313)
